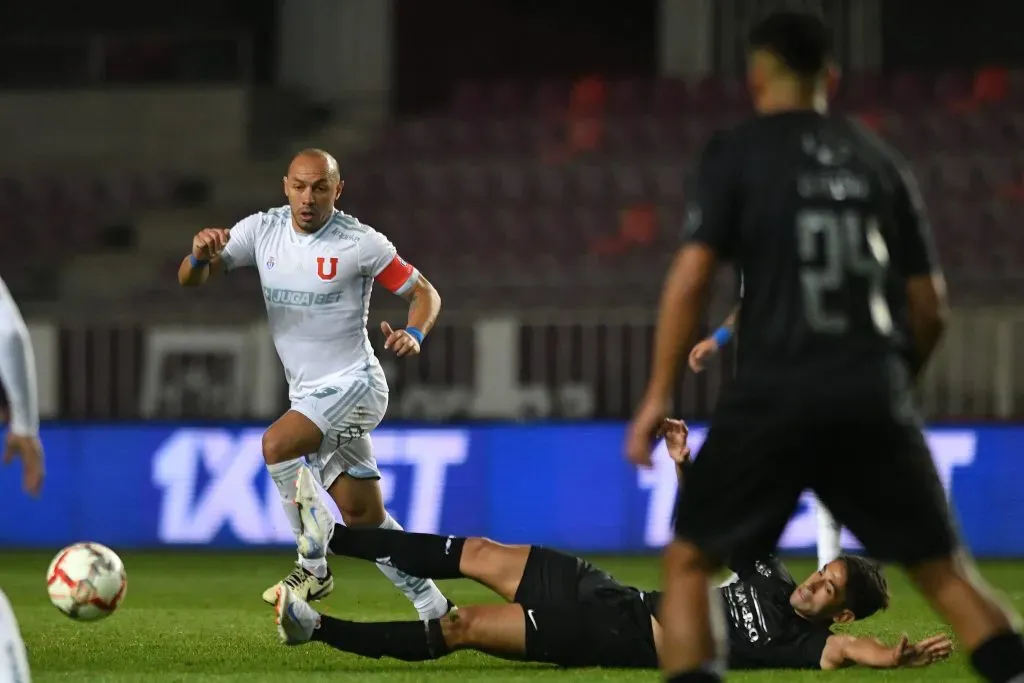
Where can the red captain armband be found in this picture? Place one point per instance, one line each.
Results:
(397, 276)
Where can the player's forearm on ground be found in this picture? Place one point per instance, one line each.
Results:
(193, 276)
(846, 650)
(424, 305)
(18, 373)
(677, 322)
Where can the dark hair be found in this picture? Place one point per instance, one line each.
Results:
(866, 587)
(800, 40)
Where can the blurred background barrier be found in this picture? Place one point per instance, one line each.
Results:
(564, 485)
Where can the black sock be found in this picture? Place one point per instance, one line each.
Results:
(426, 556)
(1000, 658)
(695, 676)
(411, 641)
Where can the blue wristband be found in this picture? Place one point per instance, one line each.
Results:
(197, 263)
(416, 333)
(722, 336)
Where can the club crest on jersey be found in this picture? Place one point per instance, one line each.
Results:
(270, 262)
(326, 268)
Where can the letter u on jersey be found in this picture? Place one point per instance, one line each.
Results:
(320, 269)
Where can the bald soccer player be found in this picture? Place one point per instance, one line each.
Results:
(317, 266)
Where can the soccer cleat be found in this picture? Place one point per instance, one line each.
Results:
(296, 620)
(317, 520)
(303, 585)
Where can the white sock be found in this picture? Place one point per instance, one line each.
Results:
(286, 475)
(424, 594)
(828, 536)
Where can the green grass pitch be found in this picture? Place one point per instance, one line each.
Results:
(199, 617)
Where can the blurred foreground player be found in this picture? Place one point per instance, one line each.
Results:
(563, 610)
(18, 374)
(843, 304)
(829, 531)
(317, 266)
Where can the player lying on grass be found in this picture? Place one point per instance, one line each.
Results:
(563, 610)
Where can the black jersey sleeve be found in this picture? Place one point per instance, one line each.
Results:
(712, 209)
(917, 247)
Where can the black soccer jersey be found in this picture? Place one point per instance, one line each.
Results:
(825, 225)
(764, 630)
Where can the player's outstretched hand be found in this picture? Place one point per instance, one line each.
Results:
(924, 652)
(675, 432)
(399, 341)
(702, 353)
(209, 242)
(30, 450)
(642, 432)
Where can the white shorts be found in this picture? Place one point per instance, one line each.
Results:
(346, 411)
(13, 662)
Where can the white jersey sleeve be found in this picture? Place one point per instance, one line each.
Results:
(376, 252)
(18, 367)
(379, 259)
(13, 659)
(240, 251)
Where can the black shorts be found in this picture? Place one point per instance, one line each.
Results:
(580, 616)
(874, 474)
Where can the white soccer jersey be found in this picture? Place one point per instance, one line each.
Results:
(317, 291)
(18, 367)
(13, 662)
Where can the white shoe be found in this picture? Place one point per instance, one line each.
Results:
(317, 520)
(303, 584)
(296, 620)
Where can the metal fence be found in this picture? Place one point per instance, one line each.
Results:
(557, 364)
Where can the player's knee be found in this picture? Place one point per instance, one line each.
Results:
(356, 515)
(458, 628)
(479, 552)
(934, 576)
(276, 448)
(359, 510)
(685, 557)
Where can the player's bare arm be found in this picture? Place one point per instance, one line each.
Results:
(424, 307)
(204, 260)
(846, 650)
(707, 348)
(928, 309)
(927, 304)
(678, 314)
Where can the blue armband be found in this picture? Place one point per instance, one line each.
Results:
(722, 336)
(197, 263)
(416, 333)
